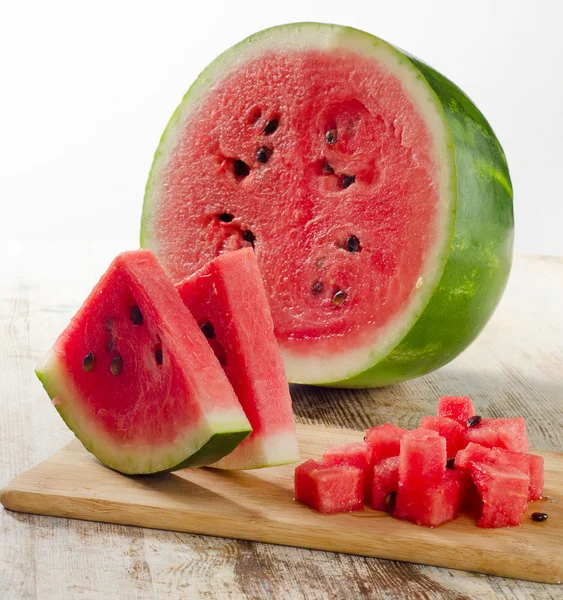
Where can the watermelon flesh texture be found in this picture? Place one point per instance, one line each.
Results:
(458, 408)
(536, 477)
(329, 489)
(422, 460)
(135, 380)
(228, 301)
(509, 434)
(358, 454)
(385, 480)
(361, 178)
(385, 440)
(449, 429)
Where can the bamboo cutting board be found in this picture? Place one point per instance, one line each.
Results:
(259, 506)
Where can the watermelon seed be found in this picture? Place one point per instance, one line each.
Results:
(208, 330)
(339, 297)
(331, 136)
(472, 421)
(539, 517)
(347, 180)
(327, 169)
(158, 354)
(248, 236)
(263, 154)
(390, 500)
(226, 217)
(116, 365)
(240, 168)
(88, 362)
(353, 244)
(317, 288)
(271, 126)
(450, 463)
(136, 315)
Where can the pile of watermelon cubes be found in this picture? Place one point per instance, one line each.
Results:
(454, 462)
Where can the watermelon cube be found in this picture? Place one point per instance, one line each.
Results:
(504, 494)
(448, 428)
(358, 454)
(458, 408)
(385, 479)
(329, 489)
(468, 495)
(509, 434)
(422, 460)
(385, 440)
(430, 505)
(536, 477)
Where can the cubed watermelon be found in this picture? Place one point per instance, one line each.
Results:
(536, 477)
(431, 505)
(385, 440)
(504, 494)
(422, 460)
(358, 454)
(458, 408)
(329, 489)
(448, 428)
(385, 480)
(468, 495)
(509, 434)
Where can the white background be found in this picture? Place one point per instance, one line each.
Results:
(86, 89)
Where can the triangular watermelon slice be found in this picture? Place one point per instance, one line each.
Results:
(134, 378)
(228, 301)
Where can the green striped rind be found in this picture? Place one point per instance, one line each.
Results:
(480, 254)
(205, 443)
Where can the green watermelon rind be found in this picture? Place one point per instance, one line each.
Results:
(457, 300)
(205, 443)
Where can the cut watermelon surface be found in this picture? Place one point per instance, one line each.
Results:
(359, 454)
(385, 440)
(228, 301)
(422, 460)
(457, 408)
(509, 434)
(385, 481)
(449, 429)
(374, 193)
(135, 380)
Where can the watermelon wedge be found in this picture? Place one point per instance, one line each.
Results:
(135, 380)
(374, 193)
(228, 301)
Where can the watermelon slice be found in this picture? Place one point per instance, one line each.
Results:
(448, 428)
(374, 193)
(228, 301)
(509, 434)
(458, 408)
(135, 380)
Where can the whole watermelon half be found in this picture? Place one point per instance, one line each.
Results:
(374, 193)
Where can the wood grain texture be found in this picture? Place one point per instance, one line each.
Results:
(515, 367)
(259, 506)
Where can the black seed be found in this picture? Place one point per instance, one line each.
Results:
(136, 316)
(327, 169)
(226, 217)
(352, 244)
(331, 136)
(88, 362)
(263, 154)
(339, 297)
(240, 168)
(539, 516)
(347, 180)
(271, 126)
(390, 500)
(317, 288)
(208, 330)
(158, 354)
(472, 421)
(248, 236)
(450, 463)
(116, 365)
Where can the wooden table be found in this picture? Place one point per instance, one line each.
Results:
(514, 368)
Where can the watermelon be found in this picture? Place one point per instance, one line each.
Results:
(374, 193)
(357, 454)
(135, 380)
(458, 408)
(449, 429)
(385, 440)
(385, 481)
(329, 489)
(536, 477)
(228, 301)
(422, 460)
(509, 434)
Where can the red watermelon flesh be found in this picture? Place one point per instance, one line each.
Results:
(228, 301)
(329, 489)
(448, 428)
(134, 378)
(385, 440)
(468, 496)
(422, 459)
(536, 477)
(509, 434)
(458, 408)
(430, 505)
(504, 494)
(357, 454)
(385, 480)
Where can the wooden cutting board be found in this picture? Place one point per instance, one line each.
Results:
(259, 505)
